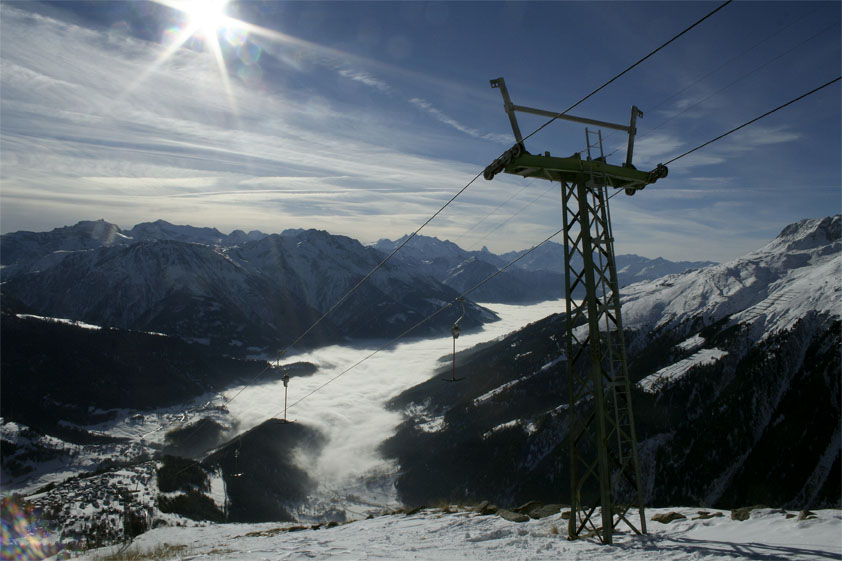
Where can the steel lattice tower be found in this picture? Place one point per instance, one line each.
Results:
(604, 467)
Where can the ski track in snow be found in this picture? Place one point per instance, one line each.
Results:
(433, 535)
(672, 373)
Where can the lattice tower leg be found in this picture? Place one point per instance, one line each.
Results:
(603, 446)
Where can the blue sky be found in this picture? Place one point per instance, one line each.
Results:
(363, 119)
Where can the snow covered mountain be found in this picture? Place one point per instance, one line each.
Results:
(22, 248)
(163, 230)
(320, 268)
(736, 387)
(537, 276)
(246, 298)
(190, 290)
(769, 289)
(630, 268)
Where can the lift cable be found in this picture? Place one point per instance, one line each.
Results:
(742, 76)
(737, 56)
(735, 129)
(383, 262)
(626, 70)
(490, 214)
(745, 75)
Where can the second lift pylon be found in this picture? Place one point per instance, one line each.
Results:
(456, 331)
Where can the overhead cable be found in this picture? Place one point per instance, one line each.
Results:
(739, 55)
(487, 216)
(626, 70)
(744, 75)
(717, 69)
(515, 214)
(735, 129)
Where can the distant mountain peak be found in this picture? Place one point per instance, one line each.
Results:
(163, 230)
(808, 234)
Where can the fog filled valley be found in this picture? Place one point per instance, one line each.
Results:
(143, 395)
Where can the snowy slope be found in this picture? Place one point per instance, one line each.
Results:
(797, 272)
(436, 535)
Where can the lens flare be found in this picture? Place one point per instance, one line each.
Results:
(23, 533)
(249, 53)
(206, 26)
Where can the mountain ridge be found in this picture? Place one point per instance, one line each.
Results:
(260, 294)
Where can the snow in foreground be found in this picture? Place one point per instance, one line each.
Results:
(435, 535)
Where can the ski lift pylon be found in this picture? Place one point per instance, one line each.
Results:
(285, 380)
(236, 456)
(456, 331)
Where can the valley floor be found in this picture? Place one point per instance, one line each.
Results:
(769, 534)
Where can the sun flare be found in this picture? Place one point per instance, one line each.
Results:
(206, 17)
(207, 21)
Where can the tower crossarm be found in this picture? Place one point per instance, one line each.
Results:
(519, 162)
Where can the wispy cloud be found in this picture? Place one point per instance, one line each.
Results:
(365, 78)
(451, 122)
(73, 145)
(323, 139)
(656, 147)
(759, 135)
(653, 225)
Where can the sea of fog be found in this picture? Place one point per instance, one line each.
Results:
(350, 410)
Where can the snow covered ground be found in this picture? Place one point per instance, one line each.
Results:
(768, 535)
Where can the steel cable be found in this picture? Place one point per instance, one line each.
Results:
(735, 129)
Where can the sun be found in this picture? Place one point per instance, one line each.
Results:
(207, 21)
(205, 17)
